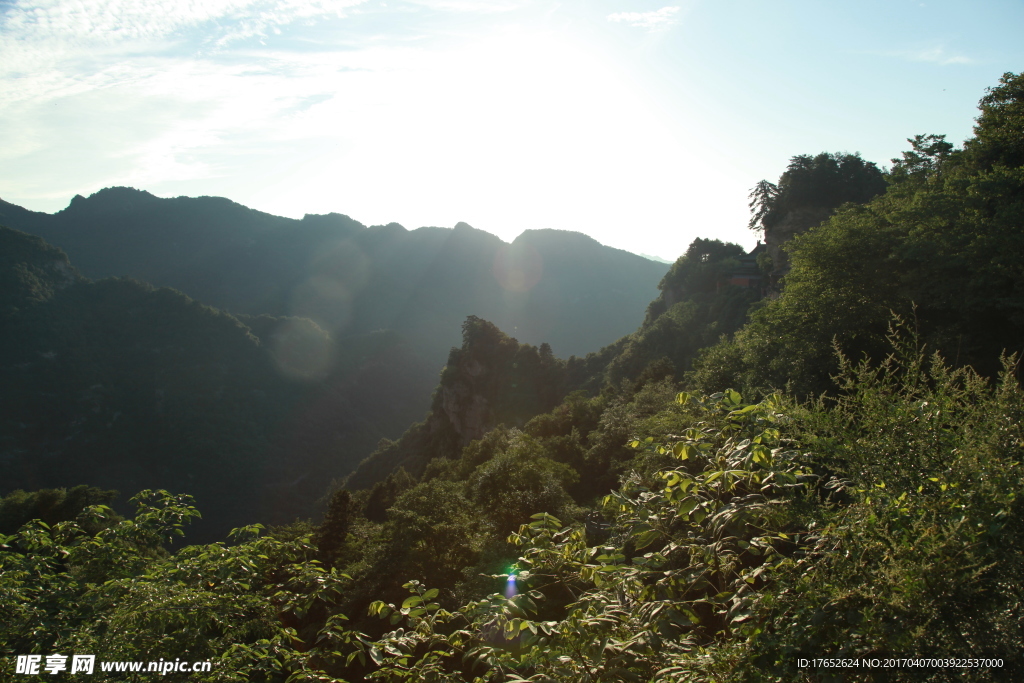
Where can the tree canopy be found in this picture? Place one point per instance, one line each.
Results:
(943, 246)
(826, 181)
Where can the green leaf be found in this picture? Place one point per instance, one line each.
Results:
(686, 506)
(743, 411)
(684, 451)
(647, 538)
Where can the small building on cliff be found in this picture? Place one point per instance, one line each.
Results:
(748, 274)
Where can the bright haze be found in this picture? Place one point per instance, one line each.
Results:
(642, 124)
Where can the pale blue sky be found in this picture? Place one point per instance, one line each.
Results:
(642, 124)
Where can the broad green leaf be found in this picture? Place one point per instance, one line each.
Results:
(647, 538)
(684, 451)
(686, 506)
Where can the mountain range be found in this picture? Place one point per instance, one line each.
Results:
(552, 286)
(200, 346)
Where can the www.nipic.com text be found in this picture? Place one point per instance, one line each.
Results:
(86, 664)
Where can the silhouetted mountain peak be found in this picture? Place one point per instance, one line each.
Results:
(465, 236)
(337, 218)
(108, 200)
(337, 223)
(379, 234)
(551, 238)
(391, 227)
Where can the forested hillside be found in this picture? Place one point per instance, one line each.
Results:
(116, 384)
(941, 248)
(834, 471)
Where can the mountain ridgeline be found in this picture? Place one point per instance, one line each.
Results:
(552, 286)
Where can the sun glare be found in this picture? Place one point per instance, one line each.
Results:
(524, 130)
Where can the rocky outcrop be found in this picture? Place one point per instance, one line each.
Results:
(467, 410)
(491, 379)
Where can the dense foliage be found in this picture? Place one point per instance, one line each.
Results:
(696, 307)
(48, 505)
(942, 246)
(742, 534)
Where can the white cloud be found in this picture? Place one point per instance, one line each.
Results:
(940, 56)
(56, 48)
(113, 21)
(651, 20)
(934, 55)
(39, 36)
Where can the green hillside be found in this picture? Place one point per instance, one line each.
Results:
(116, 384)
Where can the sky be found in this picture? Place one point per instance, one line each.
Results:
(641, 124)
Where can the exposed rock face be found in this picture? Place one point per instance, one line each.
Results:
(492, 379)
(469, 412)
(797, 221)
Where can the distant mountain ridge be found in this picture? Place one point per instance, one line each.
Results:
(553, 286)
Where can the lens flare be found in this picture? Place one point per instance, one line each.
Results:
(510, 586)
(518, 267)
(301, 349)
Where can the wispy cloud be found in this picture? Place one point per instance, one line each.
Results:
(940, 56)
(649, 20)
(118, 20)
(54, 48)
(142, 91)
(934, 55)
(51, 30)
